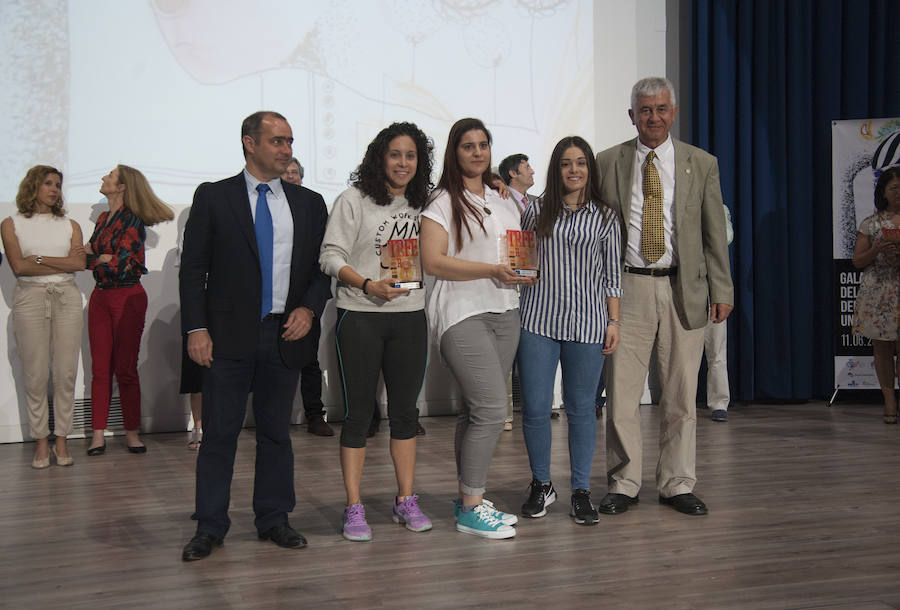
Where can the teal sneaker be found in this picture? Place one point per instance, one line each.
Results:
(505, 518)
(481, 521)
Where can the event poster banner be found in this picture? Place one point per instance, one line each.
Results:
(861, 149)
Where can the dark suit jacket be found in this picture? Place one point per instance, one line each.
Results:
(220, 280)
(704, 273)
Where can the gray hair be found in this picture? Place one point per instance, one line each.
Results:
(300, 167)
(650, 86)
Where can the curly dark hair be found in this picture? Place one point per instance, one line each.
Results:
(370, 177)
(885, 177)
(26, 198)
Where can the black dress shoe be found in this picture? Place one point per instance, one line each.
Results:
(97, 450)
(319, 427)
(137, 448)
(200, 546)
(284, 536)
(689, 504)
(614, 504)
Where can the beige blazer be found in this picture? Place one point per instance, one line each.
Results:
(704, 274)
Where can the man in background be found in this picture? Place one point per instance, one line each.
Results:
(311, 374)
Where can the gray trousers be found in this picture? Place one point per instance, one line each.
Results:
(480, 351)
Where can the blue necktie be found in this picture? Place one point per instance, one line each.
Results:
(263, 226)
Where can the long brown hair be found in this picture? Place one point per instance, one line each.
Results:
(552, 201)
(26, 198)
(451, 179)
(140, 199)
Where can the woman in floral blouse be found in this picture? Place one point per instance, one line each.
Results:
(118, 303)
(877, 310)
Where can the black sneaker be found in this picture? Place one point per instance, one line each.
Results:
(582, 509)
(540, 496)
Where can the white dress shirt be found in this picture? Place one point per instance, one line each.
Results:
(665, 165)
(283, 236)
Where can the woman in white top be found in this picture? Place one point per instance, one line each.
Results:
(473, 311)
(44, 249)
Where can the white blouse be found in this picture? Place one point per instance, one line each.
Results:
(450, 301)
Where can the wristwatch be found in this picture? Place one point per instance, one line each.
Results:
(39, 259)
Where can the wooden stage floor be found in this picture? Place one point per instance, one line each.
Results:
(803, 500)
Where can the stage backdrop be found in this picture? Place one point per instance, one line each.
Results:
(163, 86)
(860, 150)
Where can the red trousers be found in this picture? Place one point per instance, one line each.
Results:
(115, 326)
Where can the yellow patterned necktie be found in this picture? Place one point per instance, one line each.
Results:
(653, 240)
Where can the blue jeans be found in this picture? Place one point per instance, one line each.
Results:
(581, 366)
(600, 400)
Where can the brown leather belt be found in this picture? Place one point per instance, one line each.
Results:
(654, 271)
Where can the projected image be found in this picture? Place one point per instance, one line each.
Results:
(163, 85)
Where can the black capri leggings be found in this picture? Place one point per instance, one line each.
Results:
(393, 343)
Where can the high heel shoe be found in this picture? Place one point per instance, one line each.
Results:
(890, 419)
(61, 461)
(97, 450)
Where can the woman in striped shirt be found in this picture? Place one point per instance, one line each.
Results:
(570, 317)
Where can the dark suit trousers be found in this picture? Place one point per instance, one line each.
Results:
(311, 381)
(225, 387)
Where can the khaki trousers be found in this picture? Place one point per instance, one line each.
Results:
(650, 324)
(48, 319)
(716, 350)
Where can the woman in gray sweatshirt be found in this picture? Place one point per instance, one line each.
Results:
(381, 324)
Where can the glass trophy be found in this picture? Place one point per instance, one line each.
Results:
(522, 252)
(400, 262)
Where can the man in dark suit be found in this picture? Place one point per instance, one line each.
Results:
(250, 288)
(677, 277)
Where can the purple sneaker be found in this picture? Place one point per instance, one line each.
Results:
(355, 526)
(409, 514)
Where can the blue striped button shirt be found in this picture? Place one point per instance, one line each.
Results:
(580, 267)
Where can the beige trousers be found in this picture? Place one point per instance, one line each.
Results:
(716, 350)
(650, 324)
(48, 319)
